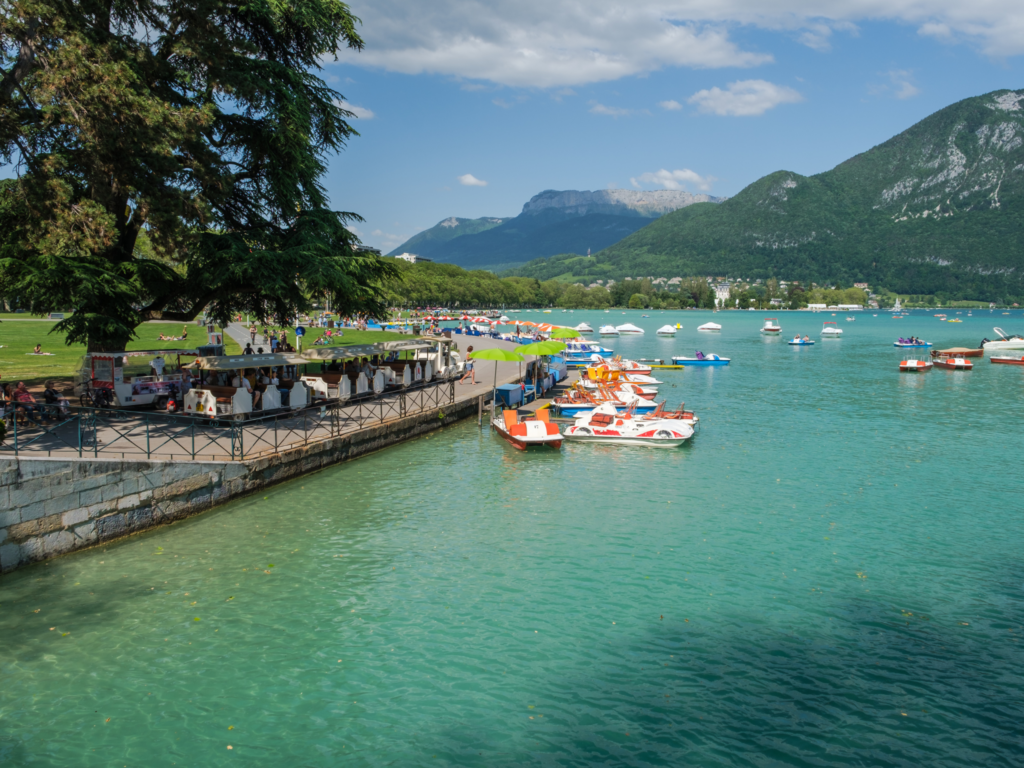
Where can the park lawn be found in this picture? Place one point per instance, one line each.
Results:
(351, 336)
(17, 339)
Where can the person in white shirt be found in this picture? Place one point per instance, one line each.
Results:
(241, 382)
(157, 364)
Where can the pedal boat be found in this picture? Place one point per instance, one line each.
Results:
(913, 365)
(701, 359)
(1007, 360)
(796, 341)
(954, 363)
(521, 434)
(605, 425)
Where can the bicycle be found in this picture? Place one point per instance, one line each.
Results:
(95, 397)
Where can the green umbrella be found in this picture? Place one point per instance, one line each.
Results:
(496, 354)
(543, 348)
(563, 333)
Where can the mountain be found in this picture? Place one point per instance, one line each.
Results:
(428, 240)
(937, 209)
(557, 222)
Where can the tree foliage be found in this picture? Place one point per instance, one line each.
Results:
(201, 123)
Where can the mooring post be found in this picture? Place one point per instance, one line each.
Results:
(480, 411)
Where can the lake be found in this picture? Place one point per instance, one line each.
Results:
(830, 573)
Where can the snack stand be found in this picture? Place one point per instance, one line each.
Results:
(106, 370)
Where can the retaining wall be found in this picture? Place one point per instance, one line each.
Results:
(49, 507)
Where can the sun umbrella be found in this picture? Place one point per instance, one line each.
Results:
(496, 354)
(542, 348)
(564, 333)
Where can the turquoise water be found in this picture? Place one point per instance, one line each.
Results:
(830, 573)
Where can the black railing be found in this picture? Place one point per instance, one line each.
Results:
(110, 433)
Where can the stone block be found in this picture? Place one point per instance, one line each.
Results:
(33, 511)
(182, 487)
(33, 468)
(145, 496)
(32, 549)
(139, 519)
(92, 482)
(111, 526)
(129, 485)
(3, 535)
(200, 499)
(233, 470)
(5, 497)
(128, 502)
(9, 517)
(10, 557)
(36, 527)
(58, 542)
(90, 497)
(111, 491)
(95, 510)
(75, 516)
(152, 479)
(59, 504)
(86, 532)
(29, 492)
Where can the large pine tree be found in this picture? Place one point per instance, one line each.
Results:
(200, 126)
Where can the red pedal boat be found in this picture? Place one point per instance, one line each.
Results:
(527, 433)
(914, 365)
(954, 363)
(1007, 360)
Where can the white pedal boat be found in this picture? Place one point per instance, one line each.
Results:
(527, 433)
(605, 425)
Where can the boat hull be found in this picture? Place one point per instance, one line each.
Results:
(771, 332)
(911, 346)
(954, 365)
(1007, 360)
(620, 440)
(574, 410)
(692, 361)
(523, 443)
(904, 368)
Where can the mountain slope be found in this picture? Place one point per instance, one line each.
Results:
(938, 208)
(428, 240)
(562, 222)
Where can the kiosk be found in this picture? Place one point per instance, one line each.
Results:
(155, 387)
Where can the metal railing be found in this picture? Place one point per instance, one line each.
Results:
(112, 433)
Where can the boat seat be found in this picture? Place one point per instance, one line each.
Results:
(511, 420)
(543, 415)
(601, 419)
(517, 430)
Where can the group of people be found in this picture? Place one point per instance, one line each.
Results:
(250, 379)
(183, 337)
(17, 398)
(276, 340)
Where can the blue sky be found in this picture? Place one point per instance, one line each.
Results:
(695, 95)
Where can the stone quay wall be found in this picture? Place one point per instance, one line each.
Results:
(49, 507)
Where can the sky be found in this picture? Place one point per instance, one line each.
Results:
(470, 108)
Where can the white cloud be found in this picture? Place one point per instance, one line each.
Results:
(744, 98)
(556, 43)
(673, 179)
(900, 85)
(353, 230)
(360, 112)
(469, 180)
(671, 105)
(601, 109)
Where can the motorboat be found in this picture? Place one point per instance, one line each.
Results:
(831, 330)
(606, 425)
(608, 330)
(537, 432)
(913, 365)
(1004, 341)
(955, 320)
(629, 328)
(958, 352)
(583, 350)
(667, 330)
(701, 359)
(954, 363)
(911, 343)
(851, 319)
(797, 341)
(709, 327)
(1007, 360)
(584, 328)
(771, 326)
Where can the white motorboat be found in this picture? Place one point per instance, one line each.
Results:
(709, 327)
(1004, 341)
(831, 330)
(605, 425)
(771, 326)
(608, 330)
(667, 330)
(584, 328)
(629, 328)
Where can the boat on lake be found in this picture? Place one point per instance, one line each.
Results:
(911, 343)
(709, 327)
(667, 330)
(771, 326)
(629, 329)
(608, 330)
(798, 341)
(1005, 341)
(958, 352)
(537, 432)
(913, 365)
(605, 424)
(1007, 360)
(701, 359)
(831, 330)
(584, 328)
(954, 363)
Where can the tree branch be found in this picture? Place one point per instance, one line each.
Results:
(26, 58)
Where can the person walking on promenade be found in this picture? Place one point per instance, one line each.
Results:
(470, 371)
(252, 333)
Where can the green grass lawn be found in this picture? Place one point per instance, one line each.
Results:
(350, 337)
(17, 339)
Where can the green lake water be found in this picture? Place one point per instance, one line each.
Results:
(830, 573)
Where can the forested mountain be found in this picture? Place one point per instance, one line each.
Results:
(937, 209)
(555, 222)
(427, 241)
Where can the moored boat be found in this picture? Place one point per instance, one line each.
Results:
(629, 329)
(771, 326)
(913, 365)
(667, 330)
(911, 343)
(954, 363)
(797, 341)
(584, 328)
(608, 330)
(605, 425)
(1004, 360)
(1004, 341)
(709, 327)
(831, 330)
(521, 434)
(958, 352)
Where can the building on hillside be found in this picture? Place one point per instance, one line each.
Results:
(367, 249)
(818, 306)
(861, 285)
(412, 258)
(722, 291)
(775, 302)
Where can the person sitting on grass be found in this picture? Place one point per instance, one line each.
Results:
(38, 350)
(470, 371)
